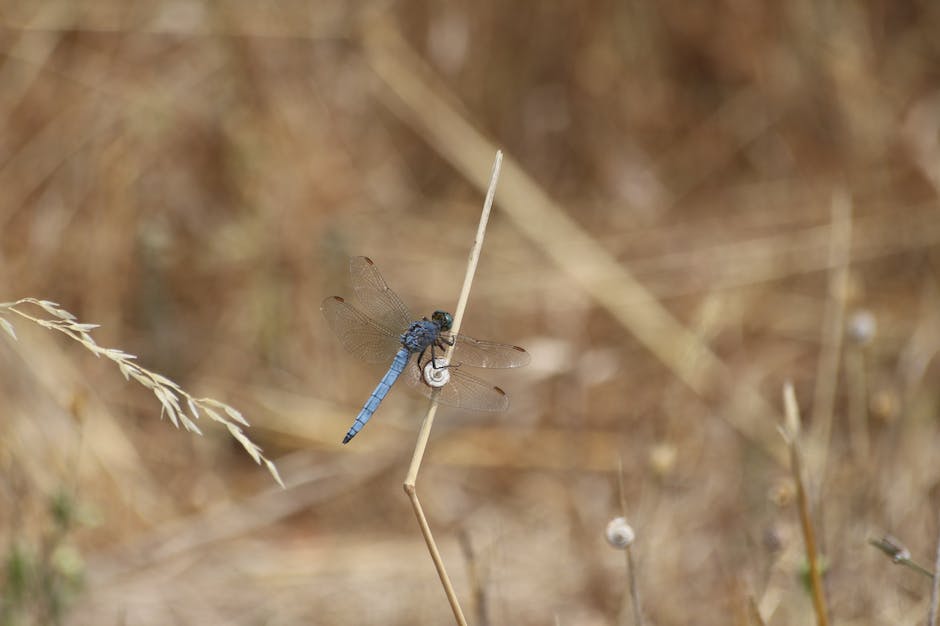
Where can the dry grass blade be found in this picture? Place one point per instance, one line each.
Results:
(791, 433)
(899, 554)
(167, 392)
(934, 590)
(475, 576)
(412, 476)
(626, 538)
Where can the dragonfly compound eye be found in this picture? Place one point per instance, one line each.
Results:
(444, 319)
(435, 373)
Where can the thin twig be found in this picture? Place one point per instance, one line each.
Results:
(458, 314)
(856, 378)
(631, 566)
(634, 590)
(476, 579)
(791, 434)
(425, 431)
(934, 590)
(899, 554)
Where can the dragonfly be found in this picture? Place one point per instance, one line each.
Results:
(382, 330)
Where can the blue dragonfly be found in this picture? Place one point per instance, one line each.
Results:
(382, 330)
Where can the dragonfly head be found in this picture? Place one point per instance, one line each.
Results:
(443, 319)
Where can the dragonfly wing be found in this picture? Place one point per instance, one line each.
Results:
(488, 353)
(362, 336)
(463, 391)
(375, 297)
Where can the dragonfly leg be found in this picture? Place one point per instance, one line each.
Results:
(434, 364)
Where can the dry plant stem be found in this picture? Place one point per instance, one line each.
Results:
(631, 567)
(857, 383)
(791, 433)
(634, 590)
(934, 590)
(435, 555)
(425, 431)
(417, 98)
(472, 262)
(899, 555)
(476, 582)
(827, 371)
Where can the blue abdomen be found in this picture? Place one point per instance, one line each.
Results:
(397, 367)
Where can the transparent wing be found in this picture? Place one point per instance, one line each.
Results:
(375, 298)
(479, 353)
(463, 391)
(362, 336)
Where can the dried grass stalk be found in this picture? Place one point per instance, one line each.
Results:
(168, 393)
(412, 476)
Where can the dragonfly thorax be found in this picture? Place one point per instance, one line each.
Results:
(420, 335)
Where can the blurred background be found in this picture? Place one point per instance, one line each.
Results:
(700, 201)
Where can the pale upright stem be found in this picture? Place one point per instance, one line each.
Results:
(934, 591)
(791, 434)
(425, 431)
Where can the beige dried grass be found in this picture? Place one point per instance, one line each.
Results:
(790, 431)
(169, 393)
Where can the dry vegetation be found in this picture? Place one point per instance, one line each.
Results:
(700, 201)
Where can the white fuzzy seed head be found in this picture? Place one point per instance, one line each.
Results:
(862, 327)
(619, 533)
(662, 459)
